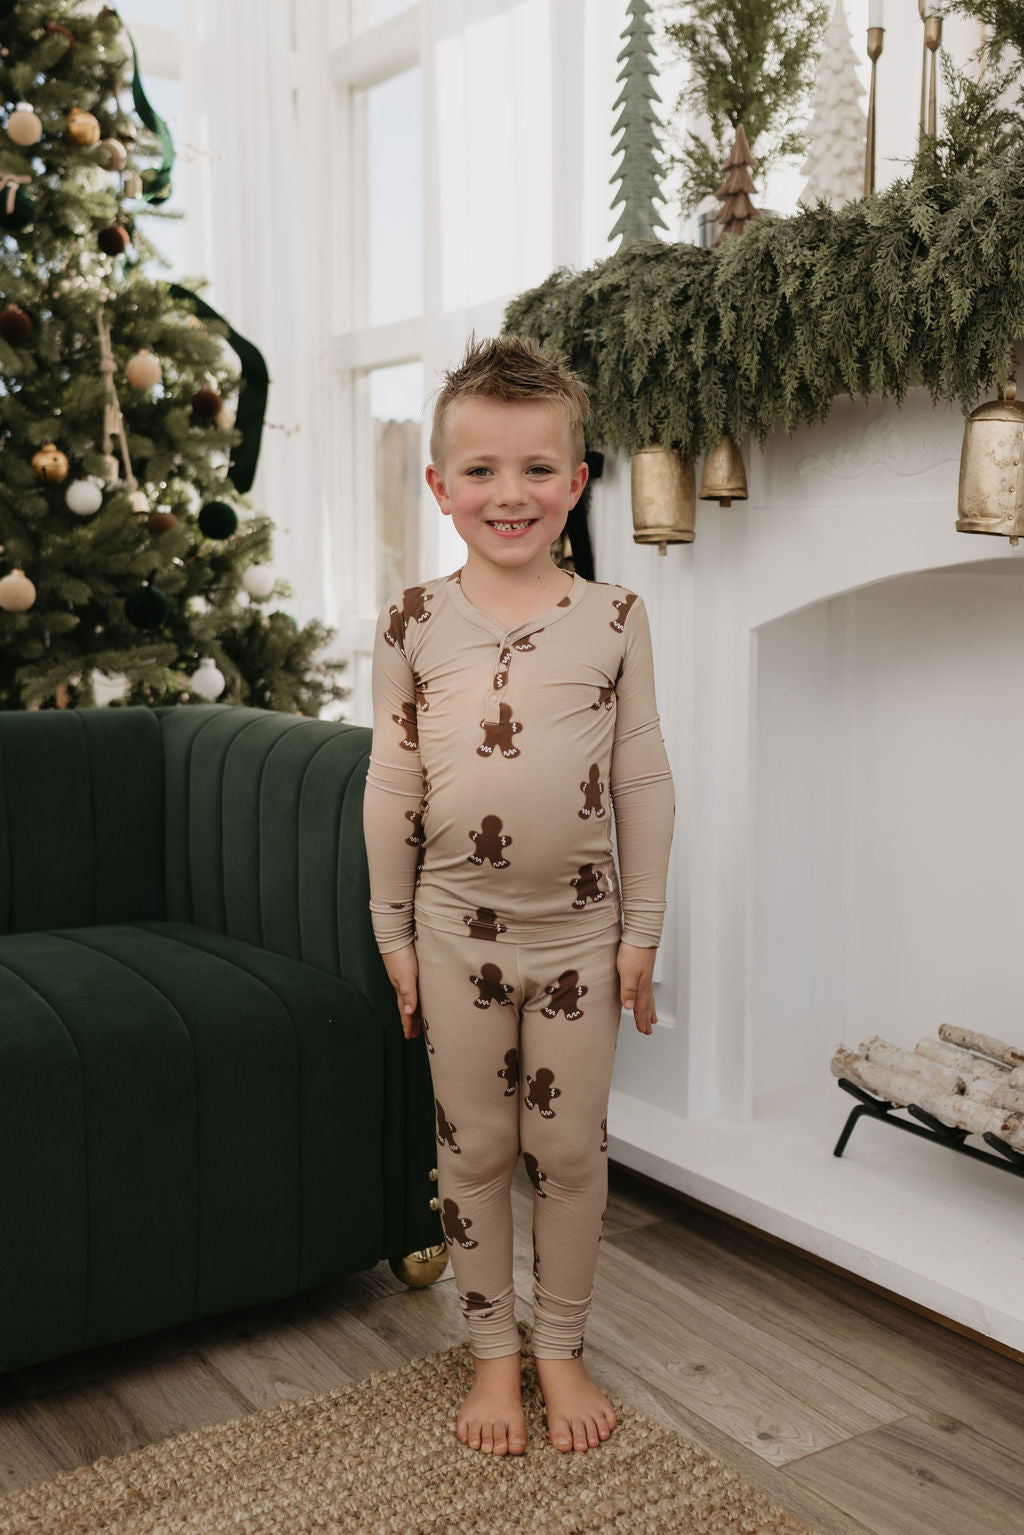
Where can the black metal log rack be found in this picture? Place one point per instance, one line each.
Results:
(927, 1126)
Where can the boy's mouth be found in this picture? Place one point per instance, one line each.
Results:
(518, 526)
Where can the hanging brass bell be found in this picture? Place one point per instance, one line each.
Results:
(991, 493)
(664, 504)
(724, 478)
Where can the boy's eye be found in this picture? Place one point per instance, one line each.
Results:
(478, 472)
(540, 469)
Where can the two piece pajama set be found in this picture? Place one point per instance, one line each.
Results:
(500, 759)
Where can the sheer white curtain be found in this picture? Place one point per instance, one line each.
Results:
(249, 177)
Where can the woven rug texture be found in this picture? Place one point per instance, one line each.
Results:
(381, 1458)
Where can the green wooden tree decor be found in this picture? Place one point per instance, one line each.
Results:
(639, 172)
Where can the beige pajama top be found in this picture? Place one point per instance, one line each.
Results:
(500, 757)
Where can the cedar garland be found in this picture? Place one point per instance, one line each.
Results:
(922, 284)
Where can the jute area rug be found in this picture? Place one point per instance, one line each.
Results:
(381, 1456)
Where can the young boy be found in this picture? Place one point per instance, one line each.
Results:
(514, 713)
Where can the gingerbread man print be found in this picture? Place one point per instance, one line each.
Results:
(605, 698)
(524, 642)
(485, 924)
(413, 609)
(564, 994)
(420, 687)
(445, 1129)
(604, 1138)
(394, 634)
(416, 817)
(491, 987)
(455, 1226)
(587, 883)
(542, 1092)
(473, 1300)
(407, 720)
(536, 1176)
(498, 734)
(501, 675)
(510, 1072)
(490, 843)
(592, 788)
(426, 1036)
(622, 609)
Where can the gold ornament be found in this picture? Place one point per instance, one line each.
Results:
(662, 488)
(23, 126)
(17, 593)
(133, 185)
(83, 127)
(114, 154)
(143, 370)
(724, 478)
(50, 463)
(990, 498)
(420, 1268)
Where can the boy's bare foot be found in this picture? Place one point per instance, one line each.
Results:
(491, 1418)
(580, 1416)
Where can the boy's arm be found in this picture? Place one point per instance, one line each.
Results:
(394, 796)
(641, 787)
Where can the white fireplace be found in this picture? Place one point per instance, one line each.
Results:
(838, 681)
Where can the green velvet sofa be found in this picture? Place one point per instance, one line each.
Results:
(205, 1098)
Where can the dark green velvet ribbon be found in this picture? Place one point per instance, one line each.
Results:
(159, 186)
(252, 395)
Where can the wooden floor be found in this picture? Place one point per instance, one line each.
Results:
(857, 1415)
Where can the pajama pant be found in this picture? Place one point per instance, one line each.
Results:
(521, 1048)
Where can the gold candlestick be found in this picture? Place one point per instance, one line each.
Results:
(924, 77)
(932, 42)
(875, 35)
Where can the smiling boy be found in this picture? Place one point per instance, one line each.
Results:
(514, 707)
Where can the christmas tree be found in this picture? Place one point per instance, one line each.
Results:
(638, 174)
(835, 166)
(127, 543)
(737, 209)
(749, 62)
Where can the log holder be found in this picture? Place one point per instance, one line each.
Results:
(932, 1129)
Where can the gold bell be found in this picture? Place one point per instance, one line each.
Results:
(990, 498)
(420, 1268)
(664, 504)
(724, 478)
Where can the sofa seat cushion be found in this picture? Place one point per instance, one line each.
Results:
(187, 1124)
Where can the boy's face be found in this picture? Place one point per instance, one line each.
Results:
(508, 480)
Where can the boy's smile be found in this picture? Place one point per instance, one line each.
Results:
(508, 481)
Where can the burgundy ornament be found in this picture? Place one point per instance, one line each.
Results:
(15, 325)
(53, 26)
(161, 521)
(206, 404)
(114, 240)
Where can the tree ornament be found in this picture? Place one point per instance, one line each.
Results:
(225, 418)
(17, 593)
(114, 155)
(146, 607)
(162, 520)
(50, 463)
(259, 581)
(114, 240)
(15, 325)
(139, 503)
(639, 173)
(208, 680)
(737, 209)
(65, 32)
(111, 470)
(206, 405)
(143, 370)
(133, 185)
(835, 166)
(83, 128)
(218, 520)
(84, 497)
(17, 210)
(24, 127)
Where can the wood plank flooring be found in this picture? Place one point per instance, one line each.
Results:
(859, 1416)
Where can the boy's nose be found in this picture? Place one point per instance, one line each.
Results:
(509, 490)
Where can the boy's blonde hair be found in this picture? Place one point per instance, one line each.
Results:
(511, 368)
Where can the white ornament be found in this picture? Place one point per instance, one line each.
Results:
(258, 581)
(111, 469)
(17, 593)
(84, 497)
(24, 126)
(133, 185)
(139, 503)
(208, 681)
(115, 156)
(107, 687)
(225, 418)
(143, 370)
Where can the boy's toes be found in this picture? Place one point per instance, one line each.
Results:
(560, 1433)
(516, 1442)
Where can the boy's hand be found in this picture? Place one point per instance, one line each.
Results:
(403, 973)
(636, 968)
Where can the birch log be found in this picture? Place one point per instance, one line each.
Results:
(984, 1044)
(961, 1060)
(959, 1112)
(907, 1063)
(1009, 1098)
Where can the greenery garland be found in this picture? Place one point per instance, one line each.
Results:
(922, 284)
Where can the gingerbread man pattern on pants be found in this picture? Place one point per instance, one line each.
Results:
(542, 1092)
(491, 987)
(455, 1226)
(445, 1130)
(535, 1174)
(564, 994)
(510, 1072)
(490, 843)
(498, 734)
(587, 884)
(485, 924)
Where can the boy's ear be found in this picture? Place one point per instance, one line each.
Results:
(577, 484)
(439, 489)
